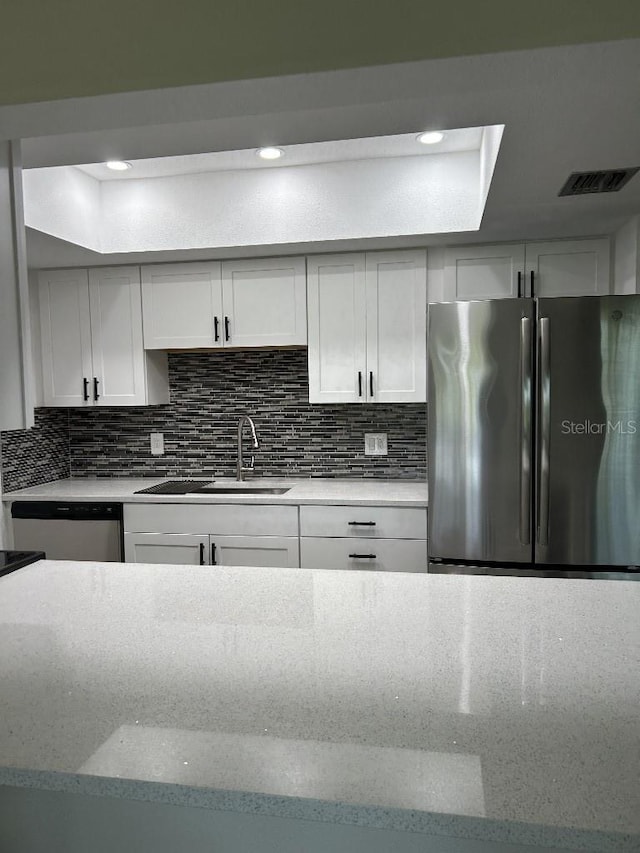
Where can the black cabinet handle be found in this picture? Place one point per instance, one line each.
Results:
(362, 556)
(216, 329)
(519, 284)
(226, 329)
(213, 553)
(85, 389)
(532, 286)
(96, 396)
(371, 383)
(362, 523)
(202, 553)
(359, 383)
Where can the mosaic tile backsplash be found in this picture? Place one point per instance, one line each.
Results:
(209, 391)
(38, 455)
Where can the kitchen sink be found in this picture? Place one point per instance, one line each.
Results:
(237, 490)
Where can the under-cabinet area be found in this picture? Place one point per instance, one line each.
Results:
(376, 538)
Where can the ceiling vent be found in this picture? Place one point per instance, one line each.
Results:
(609, 181)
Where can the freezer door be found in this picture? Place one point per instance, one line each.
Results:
(588, 501)
(479, 430)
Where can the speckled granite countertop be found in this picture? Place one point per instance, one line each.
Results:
(480, 707)
(301, 491)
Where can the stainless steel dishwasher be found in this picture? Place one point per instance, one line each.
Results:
(69, 530)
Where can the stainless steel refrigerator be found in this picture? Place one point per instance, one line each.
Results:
(534, 434)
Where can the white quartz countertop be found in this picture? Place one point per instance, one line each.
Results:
(496, 708)
(301, 491)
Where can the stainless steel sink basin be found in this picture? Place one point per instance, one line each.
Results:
(237, 490)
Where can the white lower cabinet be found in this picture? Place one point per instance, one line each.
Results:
(387, 538)
(374, 538)
(256, 551)
(237, 534)
(384, 555)
(188, 549)
(181, 549)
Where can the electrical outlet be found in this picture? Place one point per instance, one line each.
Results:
(157, 444)
(375, 444)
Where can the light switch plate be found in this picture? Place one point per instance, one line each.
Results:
(375, 444)
(157, 444)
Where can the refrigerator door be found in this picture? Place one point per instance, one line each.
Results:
(589, 431)
(479, 430)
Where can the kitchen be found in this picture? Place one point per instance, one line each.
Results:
(86, 431)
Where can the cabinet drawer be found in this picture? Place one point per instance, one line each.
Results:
(370, 522)
(383, 555)
(223, 519)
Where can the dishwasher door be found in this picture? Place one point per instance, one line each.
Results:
(69, 530)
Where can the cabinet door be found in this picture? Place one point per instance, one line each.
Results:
(337, 328)
(184, 549)
(483, 272)
(66, 337)
(396, 327)
(265, 302)
(182, 305)
(381, 555)
(116, 336)
(569, 267)
(255, 551)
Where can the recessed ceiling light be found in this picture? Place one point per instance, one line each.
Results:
(270, 153)
(431, 137)
(118, 165)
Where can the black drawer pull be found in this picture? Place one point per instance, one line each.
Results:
(96, 396)
(85, 387)
(216, 329)
(213, 553)
(226, 329)
(362, 556)
(362, 523)
(202, 553)
(371, 383)
(519, 285)
(359, 383)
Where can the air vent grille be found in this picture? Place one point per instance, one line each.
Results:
(609, 181)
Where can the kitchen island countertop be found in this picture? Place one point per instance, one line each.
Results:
(503, 709)
(363, 492)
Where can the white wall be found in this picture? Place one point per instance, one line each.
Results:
(626, 257)
(64, 202)
(491, 139)
(383, 197)
(14, 315)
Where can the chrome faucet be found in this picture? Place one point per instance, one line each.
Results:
(241, 468)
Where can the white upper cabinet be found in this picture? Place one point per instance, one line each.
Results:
(483, 272)
(182, 305)
(568, 268)
(396, 327)
(65, 323)
(367, 327)
(92, 352)
(250, 303)
(336, 295)
(265, 302)
(554, 268)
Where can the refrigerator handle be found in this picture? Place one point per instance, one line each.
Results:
(545, 427)
(525, 431)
